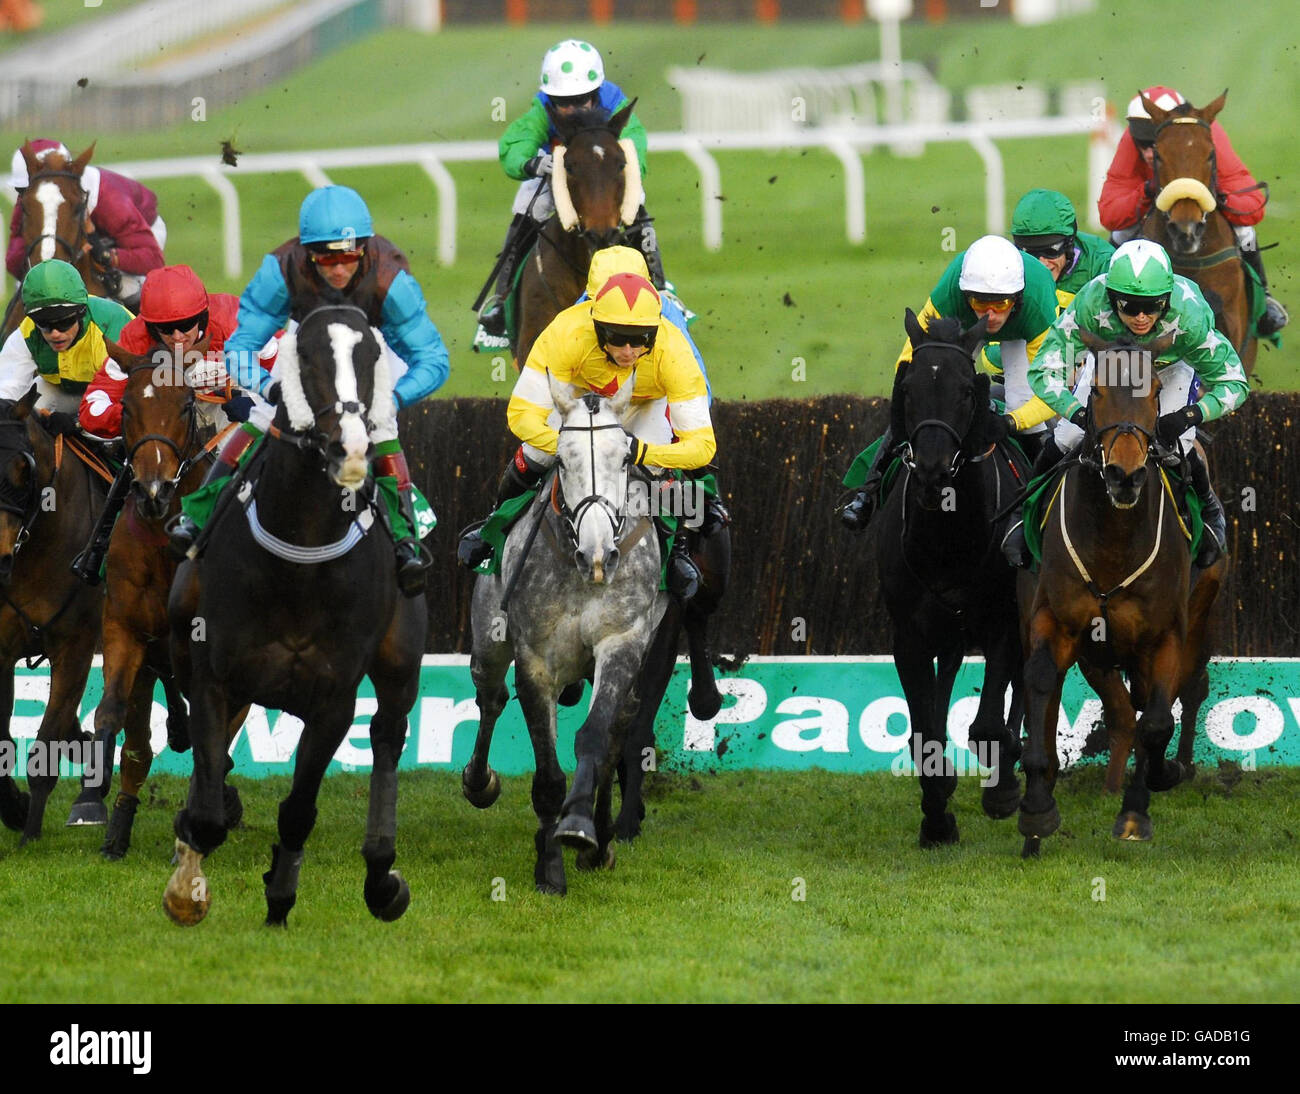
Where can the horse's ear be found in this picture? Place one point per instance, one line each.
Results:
(979, 333)
(620, 119)
(622, 398)
(1210, 112)
(1094, 342)
(23, 407)
(1155, 113)
(79, 164)
(915, 332)
(561, 394)
(123, 356)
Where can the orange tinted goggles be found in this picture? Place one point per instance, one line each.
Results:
(1000, 306)
(336, 258)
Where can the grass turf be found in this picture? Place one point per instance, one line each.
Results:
(699, 909)
(785, 287)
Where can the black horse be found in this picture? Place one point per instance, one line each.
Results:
(945, 583)
(292, 604)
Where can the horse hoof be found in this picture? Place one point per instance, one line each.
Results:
(577, 832)
(572, 695)
(999, 803)
(87, 814)
(940, 834)
(401, 900)
(1170, 776)
(1032, 848)
(1040, 825)
(548, 889)
(704, 707)
(625, 831)
(117, 840)
(234, 807)
(485, 795)
(594, 860)
(178, 733)
(1134, 826)
(186, 899)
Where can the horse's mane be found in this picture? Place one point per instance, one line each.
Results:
(945, 330)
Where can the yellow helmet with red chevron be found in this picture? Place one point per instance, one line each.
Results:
(627, 300)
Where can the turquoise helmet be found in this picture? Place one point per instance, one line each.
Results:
(335, 216)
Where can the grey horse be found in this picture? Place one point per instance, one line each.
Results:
(583, 600)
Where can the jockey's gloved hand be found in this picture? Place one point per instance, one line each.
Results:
(539, 165)
(1080, 418)
(61, 421)
(101, 250)
(636, 450)
(1169, 427)
(238, 407)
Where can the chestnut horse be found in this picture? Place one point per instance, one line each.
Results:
(165, 430)
(1116, 591)
(56, 222)
(1187, 218)
(596, 183)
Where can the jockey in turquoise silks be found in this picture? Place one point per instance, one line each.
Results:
(336, 258)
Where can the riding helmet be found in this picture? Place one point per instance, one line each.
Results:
(571, 67)
(992, 266)
(1140, 125)
(1043, 217)
(334, 215)
(170, 293)
(1140, 268)
(52, 284)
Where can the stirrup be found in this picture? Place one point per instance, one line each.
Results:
(1014, 548)
(472, 550)
(1274, 319)
(413, 562)
(86, 566)
(182, 536)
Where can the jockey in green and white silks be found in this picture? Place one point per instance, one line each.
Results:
(1140, 297)
(336, 258)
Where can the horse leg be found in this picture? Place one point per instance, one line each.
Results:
(601, 857)
(178, 715)
(1121, 720)
(618, 661)
(1051, 654)
(703, 697)
(656, 672)
(201, 825)
(123, 656)
(1156, 726)
(137, 758)
(68, 669)
(478, 782)
(991, 739)
(1196, 657)
(14, 803)
(916, 672)
(535, 698)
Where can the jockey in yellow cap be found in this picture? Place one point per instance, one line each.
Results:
(618, 337)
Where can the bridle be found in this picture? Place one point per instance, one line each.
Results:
(22, 504)
(188, 453)
(1214, 162)
(959, 457)
(573, 517)
(80, 211)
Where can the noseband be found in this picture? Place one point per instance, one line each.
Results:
(184, 461)
(20, 503)
(572, 517)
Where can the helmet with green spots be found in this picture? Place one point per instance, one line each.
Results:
(570, 68)
(1044, 221)
(53, 284)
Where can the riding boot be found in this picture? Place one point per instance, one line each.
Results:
(184, 532)
(683, 576)
(856, 514)
(641, 235)
(1275, 316)
(1214, 540)
(521, 474)
(1014, 548)
(493, 316)
(412, 562)
(91, 560)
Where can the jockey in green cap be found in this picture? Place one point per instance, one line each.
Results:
(1044, 226)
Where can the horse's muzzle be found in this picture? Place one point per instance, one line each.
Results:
(154, 498)
(1185, 236)
(1124, 487)
(598, 567)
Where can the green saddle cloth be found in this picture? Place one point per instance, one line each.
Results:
(1043, 491)
(503, 517)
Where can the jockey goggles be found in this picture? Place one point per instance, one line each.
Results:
(575, 101)
(59, 317)
(1134, 306)
(607, 334)
(336, 258)
(1037, 249)
(1000, 305)
(164, 327)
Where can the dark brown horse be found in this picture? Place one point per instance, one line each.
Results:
(56, 222)
(1187, 219)
(169, 439)
(1116, 591)
(596, 183)
(48, 505)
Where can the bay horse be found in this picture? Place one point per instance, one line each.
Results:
(596, 184)
(1116, 592)
(170, 436)
(585, 600)
(1187, 218)
(56, 223)
(945, 583)
(48, 506)
(292, 603)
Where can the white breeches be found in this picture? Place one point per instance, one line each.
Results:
(1175, 393)
(1015, 379)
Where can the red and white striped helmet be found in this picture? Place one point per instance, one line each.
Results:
(1164, 97)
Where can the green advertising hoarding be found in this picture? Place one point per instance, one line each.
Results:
(779, 713)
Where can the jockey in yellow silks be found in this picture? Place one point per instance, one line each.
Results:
(618, 337)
